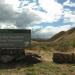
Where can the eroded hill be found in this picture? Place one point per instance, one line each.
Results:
(64, 41)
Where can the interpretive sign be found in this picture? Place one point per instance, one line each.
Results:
(15, 38)
(12, 43)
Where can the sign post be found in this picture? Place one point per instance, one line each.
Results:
(13, 42)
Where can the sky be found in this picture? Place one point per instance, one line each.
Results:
(45, 18)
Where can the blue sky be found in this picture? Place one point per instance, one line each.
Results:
(44, 17)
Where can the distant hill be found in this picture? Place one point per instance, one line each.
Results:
(64, 35)
(40, 40)
(64, 40)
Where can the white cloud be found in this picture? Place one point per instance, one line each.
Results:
(69, 16)
(7, 26)
(54, 30)
(13, 3)
(8, 16)
(53, 10)
(69, 3)
(49, 31)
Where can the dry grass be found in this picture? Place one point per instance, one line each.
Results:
(46, 67)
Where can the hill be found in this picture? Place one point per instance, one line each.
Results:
(60, 34)
(64, 41)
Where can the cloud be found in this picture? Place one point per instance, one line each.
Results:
(26, 19)
(69, 3)
(8, 16)
(47, 10)
(69, 16)
(13, 3)
(49, 31)
(54, 10)
(6, 25)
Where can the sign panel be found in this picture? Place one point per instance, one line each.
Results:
(15, 38)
